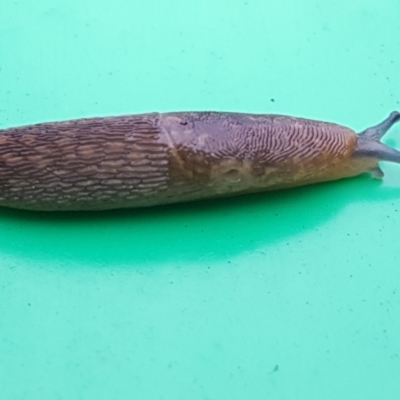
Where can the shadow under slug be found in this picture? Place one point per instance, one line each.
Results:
(201, 231)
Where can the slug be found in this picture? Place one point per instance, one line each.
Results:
(152, 159)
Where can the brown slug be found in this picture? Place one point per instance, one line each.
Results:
(151, 159)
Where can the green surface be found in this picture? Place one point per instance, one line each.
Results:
(288, 295)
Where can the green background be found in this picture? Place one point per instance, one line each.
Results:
(285, 295)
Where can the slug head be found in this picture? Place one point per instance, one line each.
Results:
(370, 150)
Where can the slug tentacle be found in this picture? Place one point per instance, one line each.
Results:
(152, 159)
(369, 145)
(376, 132)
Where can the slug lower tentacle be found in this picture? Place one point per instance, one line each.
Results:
(151, 159)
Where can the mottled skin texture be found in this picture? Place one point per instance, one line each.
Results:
(151, 159)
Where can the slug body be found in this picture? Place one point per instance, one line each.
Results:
(151, 159)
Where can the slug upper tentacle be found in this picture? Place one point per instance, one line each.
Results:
(150, 159)
(369, 144)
